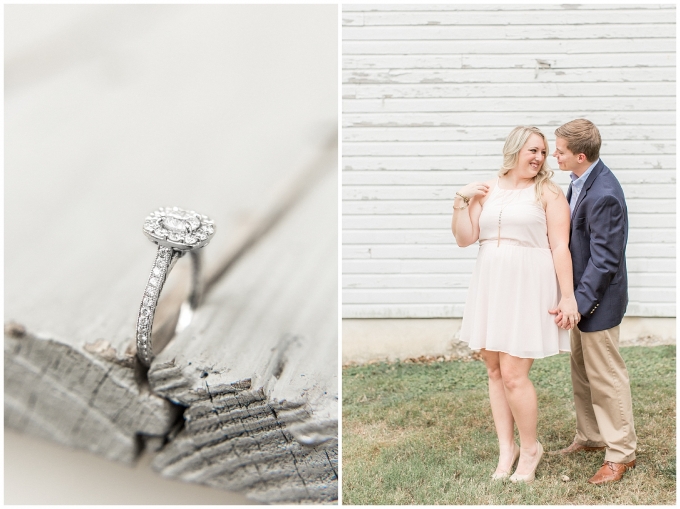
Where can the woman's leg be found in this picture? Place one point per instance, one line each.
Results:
(521, 396)
(502, 415)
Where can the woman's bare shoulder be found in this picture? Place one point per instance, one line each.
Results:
(491, 183)
(551, 191)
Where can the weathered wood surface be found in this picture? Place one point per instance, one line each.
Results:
(252, 367)
(143, 106)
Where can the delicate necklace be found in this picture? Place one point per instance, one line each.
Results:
(503, 205)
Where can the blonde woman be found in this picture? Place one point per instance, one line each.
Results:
(523, 270)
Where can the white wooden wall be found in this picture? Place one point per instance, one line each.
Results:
(429, 94)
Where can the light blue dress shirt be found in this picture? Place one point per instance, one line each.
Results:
(577, 185)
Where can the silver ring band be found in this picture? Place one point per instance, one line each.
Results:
(176, 232)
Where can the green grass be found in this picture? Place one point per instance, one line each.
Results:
(423, 434)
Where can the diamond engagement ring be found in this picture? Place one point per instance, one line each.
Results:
(176, 232)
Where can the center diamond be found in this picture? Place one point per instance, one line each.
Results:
(178, 229)
(180, 222)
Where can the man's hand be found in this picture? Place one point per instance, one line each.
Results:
(562, 321)
(565, 320)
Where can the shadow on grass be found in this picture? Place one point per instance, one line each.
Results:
(424, 434)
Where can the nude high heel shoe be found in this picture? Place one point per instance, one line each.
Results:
(527, 478)
(504, 475)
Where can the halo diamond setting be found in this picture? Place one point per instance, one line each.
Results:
(176, 232)
(179, 229)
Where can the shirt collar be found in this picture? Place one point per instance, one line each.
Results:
(579, 181)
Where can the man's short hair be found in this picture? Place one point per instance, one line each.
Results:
(582, 138)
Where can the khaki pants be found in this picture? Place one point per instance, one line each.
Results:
(604, 409)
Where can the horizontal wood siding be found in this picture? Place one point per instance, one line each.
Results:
(431, 91)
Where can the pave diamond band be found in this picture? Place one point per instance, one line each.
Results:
(176, 232)
(165, 259)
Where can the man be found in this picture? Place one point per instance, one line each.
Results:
(599, 231)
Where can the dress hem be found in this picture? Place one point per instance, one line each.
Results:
(521, 356)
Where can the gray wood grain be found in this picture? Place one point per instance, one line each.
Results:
(253, 367)
(140, 107)
(55, 391)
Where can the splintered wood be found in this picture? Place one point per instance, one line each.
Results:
(246, 397)
(57, 392)
(253, 379)
(253, 367)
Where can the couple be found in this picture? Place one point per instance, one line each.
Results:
(548, 265)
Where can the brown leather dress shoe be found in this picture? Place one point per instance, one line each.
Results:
(611, 472)
(578, 447)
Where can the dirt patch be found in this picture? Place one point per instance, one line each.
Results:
(460, 351)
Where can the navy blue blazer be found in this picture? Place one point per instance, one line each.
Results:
(597, 241)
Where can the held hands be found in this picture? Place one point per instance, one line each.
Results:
(567, 315)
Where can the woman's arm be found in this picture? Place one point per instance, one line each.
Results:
(465, 221)
(557, 215)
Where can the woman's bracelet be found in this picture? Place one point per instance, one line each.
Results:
(465, 199)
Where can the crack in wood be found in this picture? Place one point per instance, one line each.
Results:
(95, 391)
(297, 470)
(281, 349)
(226, 435)
(275, 437)
(330, 463)
(29, 409)
(241, 425)
(77, 384)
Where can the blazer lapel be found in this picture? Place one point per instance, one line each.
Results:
(591, 178)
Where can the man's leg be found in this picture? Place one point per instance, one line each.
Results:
(610, 393)
(587, 430)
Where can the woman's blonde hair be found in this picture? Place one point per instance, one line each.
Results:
(513, 144)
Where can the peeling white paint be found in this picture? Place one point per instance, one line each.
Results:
(431, 91)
